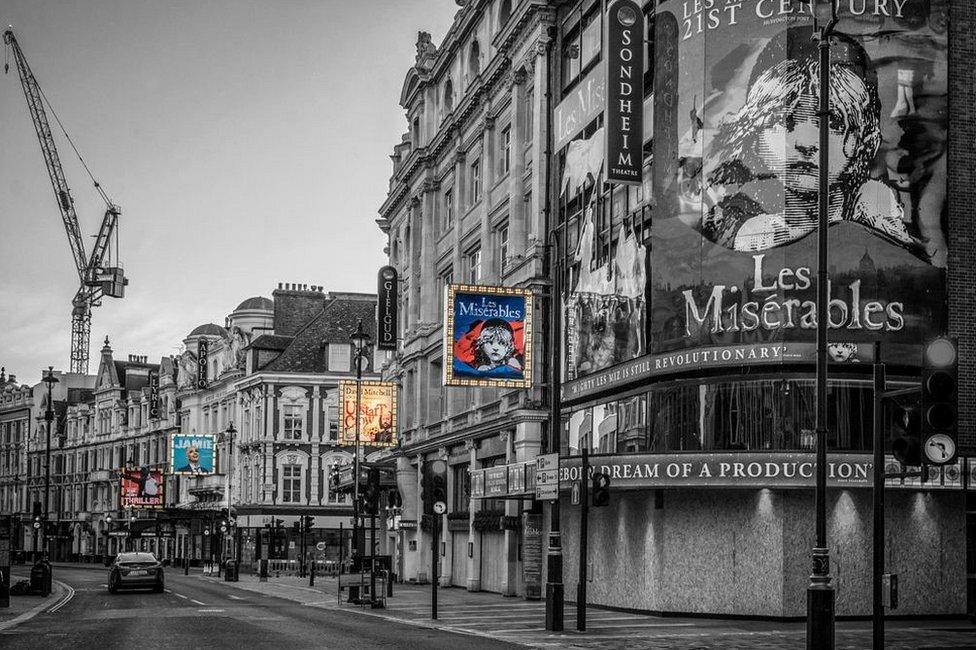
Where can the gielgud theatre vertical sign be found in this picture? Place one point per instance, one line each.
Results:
(736, 175)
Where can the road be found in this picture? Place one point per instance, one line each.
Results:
(196, 613)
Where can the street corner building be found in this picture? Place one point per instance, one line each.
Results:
(689, 347)
(466, 206)
(686, 289)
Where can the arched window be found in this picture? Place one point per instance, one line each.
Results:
(474, 61)
(504, 13)
(448, 96)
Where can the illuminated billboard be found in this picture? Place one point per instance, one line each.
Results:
(192, 454)
(735, 177)
(487, 336)
(377, 413)
(141, 488)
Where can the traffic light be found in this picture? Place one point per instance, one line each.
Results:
(906, 431)
(600, 489)
(425, 489)
(309, 522)
(437, 480)
(371, 495)
(296, 527)
(940, 374)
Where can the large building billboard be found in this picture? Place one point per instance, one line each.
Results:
(192, 454)
(377, 413)
(141, 488)
(487, 336)
(735, 176)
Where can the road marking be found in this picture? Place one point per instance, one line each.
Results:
(209, 611)
(198, 602)
(233, 597)
(64, 601)
(179, 595)
(169, 591)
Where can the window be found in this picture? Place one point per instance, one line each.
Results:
(448, 96)
(473, 259)
(448, 208)
(333, 422)
(462, 488)
(475, 181)
(291, 483)
(447, 277)
(503, 245)
(474, 61)
(529, 113)
(339, 356)
(505, 143)
(294, 422)
(505, 12)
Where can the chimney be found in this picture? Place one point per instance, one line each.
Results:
(294, 306)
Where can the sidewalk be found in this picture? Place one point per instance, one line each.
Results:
(24, 608)
(522, 622)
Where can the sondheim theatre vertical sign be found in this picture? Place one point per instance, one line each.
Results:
(625, 91)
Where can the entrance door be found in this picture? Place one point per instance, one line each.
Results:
(459, 558)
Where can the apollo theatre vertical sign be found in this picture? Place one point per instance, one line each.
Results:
(625, 92)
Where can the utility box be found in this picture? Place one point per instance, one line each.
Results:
(40, 578)
(230, 571)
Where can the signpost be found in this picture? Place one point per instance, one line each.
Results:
(547, 477)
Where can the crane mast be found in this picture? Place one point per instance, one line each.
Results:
(96, 280)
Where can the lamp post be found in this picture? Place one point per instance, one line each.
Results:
(820, 593)
(360, 339)
(229, 438)
(50, 380)
(108, 536)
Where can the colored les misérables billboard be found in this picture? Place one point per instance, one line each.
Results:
(487, 337)
(735, 177)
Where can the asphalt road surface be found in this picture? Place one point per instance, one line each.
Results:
(194, 613)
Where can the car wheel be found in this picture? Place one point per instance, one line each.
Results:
(113, 584)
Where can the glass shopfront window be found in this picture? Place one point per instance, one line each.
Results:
(764, 414)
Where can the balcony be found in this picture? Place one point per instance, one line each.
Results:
(206, 484)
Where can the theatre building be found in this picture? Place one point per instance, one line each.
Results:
(465, 205)
(688, 354)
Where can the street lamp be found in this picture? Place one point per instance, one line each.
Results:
(820, 593)
(229, 439)
(360, 339)
(108, 535)
(50, 380)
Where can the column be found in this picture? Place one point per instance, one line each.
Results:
(315, 435)
(510, 582)
(428, 274)
(489, 253)
(516, 206)
(474, 562)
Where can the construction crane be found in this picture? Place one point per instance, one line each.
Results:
(97, 275)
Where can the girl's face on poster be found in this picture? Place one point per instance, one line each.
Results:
(789, 146)
(497, 345)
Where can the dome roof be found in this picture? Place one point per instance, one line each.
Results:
(256, 302)
(210, 329)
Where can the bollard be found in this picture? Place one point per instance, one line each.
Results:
(311, 575)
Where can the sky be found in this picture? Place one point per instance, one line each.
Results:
(247, 143)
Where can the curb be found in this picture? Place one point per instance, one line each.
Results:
(55, 601)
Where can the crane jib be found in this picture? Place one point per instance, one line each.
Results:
(96, 278)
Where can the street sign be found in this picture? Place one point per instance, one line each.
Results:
(440, 507)
(940, 448)
(320, 546)
(547, 477)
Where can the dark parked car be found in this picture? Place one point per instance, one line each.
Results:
(135, 570)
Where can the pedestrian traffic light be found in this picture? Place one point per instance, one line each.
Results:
(906, 433)
(600, 488)
(939, 407)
